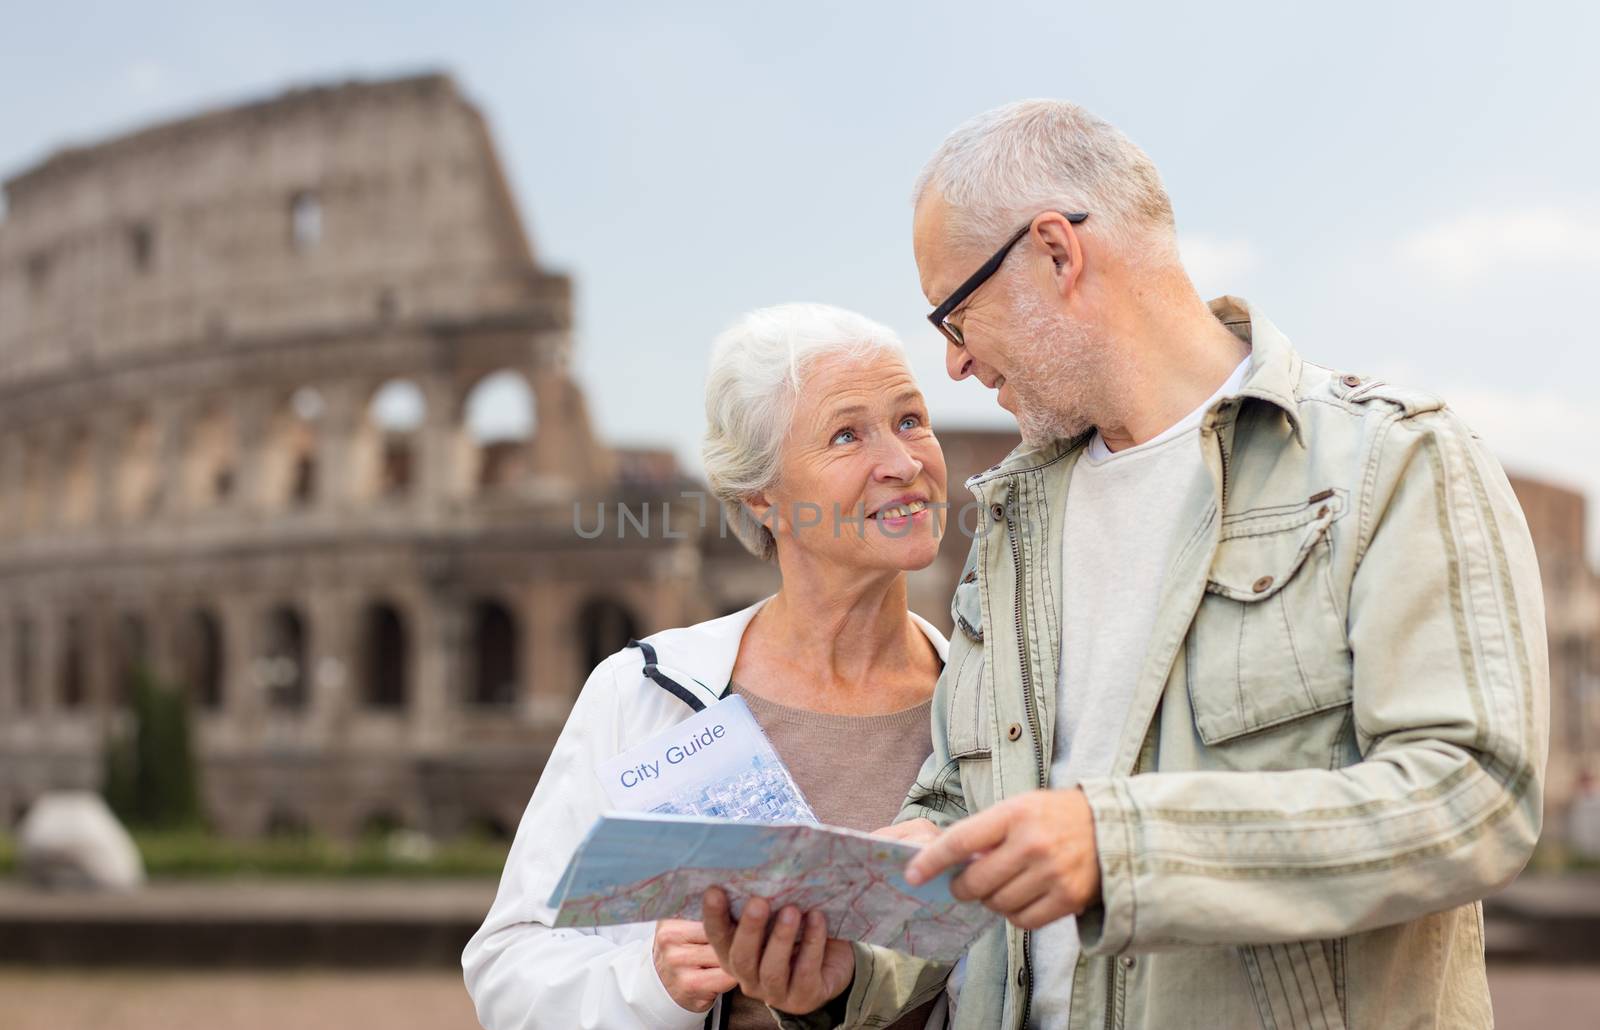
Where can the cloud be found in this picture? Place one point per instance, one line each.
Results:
(1218, 265)
(1464, 248)
(146, 77)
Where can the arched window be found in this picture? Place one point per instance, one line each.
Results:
(282, 666)
(200, 650)
(604, 626)
(494, 654)
(73, 688)
(499, 418)
(384, 657)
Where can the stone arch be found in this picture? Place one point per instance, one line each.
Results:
(130, 653)
(73, 687)
(200, 658)
(385, 657)
(496, 425)
(289, 470)
(495, 644)
(77, 478)
(22, 662)
(138, 470)
(36, 466)
(281, 669)
(210, 458)
(387, 449)
(604, 626)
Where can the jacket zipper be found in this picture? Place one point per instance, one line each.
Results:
(1223, 450)
(1038, 745)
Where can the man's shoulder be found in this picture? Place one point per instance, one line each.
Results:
(1363, 396)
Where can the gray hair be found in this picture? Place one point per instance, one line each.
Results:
(757, 369)
(1007, 165)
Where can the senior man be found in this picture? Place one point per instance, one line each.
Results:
(1247, 708)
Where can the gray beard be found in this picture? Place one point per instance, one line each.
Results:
(1065, 374)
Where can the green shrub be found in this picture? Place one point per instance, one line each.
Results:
(150, 778)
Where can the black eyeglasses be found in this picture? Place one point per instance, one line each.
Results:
(981, 276)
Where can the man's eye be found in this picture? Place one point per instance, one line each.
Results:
(844, 436)
(910, 422)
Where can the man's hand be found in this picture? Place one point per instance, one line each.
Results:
(1036, 857)
(687, 966)
(920, 832)
(772, 970)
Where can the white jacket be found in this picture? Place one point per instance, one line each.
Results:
(521, 973)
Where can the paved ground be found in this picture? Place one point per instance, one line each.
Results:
(1526, 998)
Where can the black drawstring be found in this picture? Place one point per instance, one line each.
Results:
(667, 683)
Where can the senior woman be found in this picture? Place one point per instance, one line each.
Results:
(819, 449)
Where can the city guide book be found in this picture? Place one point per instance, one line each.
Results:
(717, 762)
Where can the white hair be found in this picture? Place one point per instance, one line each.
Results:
(1007, 165)
(757, 369)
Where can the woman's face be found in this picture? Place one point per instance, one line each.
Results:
(862, 479)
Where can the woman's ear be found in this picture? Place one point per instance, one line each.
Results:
(761, 508)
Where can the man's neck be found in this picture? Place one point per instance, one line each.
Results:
(1178, 358)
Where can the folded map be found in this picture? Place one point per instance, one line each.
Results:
(640, 868)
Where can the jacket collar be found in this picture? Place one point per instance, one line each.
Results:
(1275, 368)
(706, 651)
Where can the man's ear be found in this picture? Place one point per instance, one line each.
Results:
(1059, 239)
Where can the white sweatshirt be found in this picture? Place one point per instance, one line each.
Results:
(523, 974)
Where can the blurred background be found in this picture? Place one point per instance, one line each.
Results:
(350, 389)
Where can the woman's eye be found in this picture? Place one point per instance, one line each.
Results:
(844, 436)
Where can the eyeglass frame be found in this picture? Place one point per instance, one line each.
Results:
(985, 271)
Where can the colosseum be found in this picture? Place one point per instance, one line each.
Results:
(286, 417)
(285, 414)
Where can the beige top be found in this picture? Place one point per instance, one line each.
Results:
(854, 770)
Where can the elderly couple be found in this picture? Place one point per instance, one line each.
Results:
(1246, 707)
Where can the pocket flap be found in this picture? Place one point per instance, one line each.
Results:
(1260, 550)
(966, 607)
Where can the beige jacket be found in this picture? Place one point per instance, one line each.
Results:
(1335, 749)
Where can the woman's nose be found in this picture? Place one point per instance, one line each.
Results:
(897, 462)
(957, 361)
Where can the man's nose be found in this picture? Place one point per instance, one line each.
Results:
(957, 361)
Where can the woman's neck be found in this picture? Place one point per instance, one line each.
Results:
(838, 643)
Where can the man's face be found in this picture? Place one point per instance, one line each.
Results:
(1045, 366)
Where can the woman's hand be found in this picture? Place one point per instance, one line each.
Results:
(687, 966)
(920, 832)
(793, 970)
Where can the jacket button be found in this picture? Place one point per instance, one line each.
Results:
(971, 577)
(1260, 585)
(1014, 731)
(1351, 380)
(1020, 978)
(997, 512)
(1128, 961)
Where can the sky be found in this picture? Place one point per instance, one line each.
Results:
(1406, 190)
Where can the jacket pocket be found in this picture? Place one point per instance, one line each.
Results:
(1293, 985)
(967, 723)
(1267, 644)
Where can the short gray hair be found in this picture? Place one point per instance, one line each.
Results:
(757, 369)
(1007, 165)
